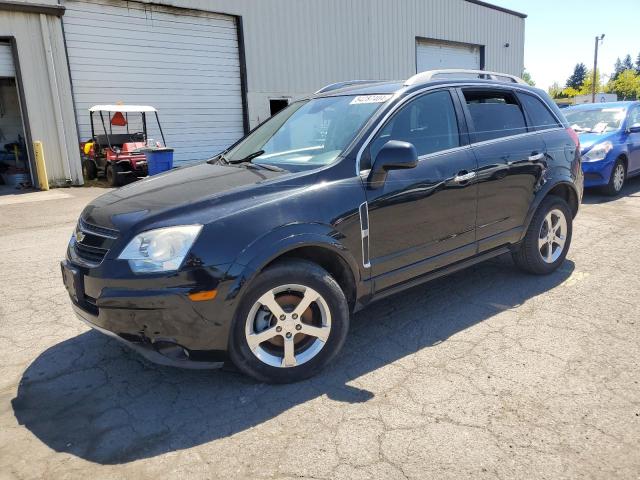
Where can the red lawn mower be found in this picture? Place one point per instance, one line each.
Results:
(117, 153)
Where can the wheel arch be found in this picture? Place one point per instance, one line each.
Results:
(325, 251)
(625, 159)
(329, 260)
(567, 192)
(563, 189)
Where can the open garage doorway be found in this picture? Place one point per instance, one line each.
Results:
(15, 171)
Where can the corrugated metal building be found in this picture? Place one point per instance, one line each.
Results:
(215, 68)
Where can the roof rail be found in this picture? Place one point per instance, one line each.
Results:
(336, 86)
(430, 74)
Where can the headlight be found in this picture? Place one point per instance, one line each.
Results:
(598, 152)
(160, 250)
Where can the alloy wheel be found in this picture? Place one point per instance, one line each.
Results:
(618, 177)
(553, 235)
(288, 326)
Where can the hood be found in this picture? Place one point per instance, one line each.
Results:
(181, 190)
(588, 140)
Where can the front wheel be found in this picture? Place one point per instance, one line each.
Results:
(292, 321)
(616, 181)
(548, 238)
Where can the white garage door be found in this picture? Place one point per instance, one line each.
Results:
(435, 55)
(6, 61)
(184, 63)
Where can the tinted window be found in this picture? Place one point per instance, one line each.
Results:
(539, 114)
(429, 123)
(494, 114)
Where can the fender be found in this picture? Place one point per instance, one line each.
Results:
(542, 194)
(284, 239)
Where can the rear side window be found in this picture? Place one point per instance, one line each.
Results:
(495, 114)
(539, 114)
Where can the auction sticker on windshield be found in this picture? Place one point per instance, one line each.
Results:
(360, 99)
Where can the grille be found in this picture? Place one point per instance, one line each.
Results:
(90, 254)
(95, 230)
(92, 242)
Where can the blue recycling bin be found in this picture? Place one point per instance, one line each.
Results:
(159, 159)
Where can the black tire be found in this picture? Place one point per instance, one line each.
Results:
(112, 173)
(614, 188)
(89, 169)
(529, 256)
(299, 272)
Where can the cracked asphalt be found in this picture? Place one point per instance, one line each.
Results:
(489, 373)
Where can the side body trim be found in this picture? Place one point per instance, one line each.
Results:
(364, 230)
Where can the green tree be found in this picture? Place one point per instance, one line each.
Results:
(555, 91)
(585, 89)
(627, 85)
(578, 76)
(526, 76)
(617, 68)
(570, 92)
(627, 63)
(638, 63)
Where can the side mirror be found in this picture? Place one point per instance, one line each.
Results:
(635, 128)
(394, 155)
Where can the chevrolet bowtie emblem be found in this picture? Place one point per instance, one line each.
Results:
(79, 236)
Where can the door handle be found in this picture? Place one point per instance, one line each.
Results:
(463, 177)
(536, 156)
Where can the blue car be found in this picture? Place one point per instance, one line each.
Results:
(610, 142)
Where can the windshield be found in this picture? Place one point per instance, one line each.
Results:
(595, 120)
(308, 134)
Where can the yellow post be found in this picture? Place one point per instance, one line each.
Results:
(43, 181)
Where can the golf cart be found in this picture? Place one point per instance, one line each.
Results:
(117, 153)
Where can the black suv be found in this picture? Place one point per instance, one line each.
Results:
(358, 192)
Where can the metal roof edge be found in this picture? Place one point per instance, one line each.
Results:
(28, 7)
(496, 7)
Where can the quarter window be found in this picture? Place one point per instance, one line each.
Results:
(494, 114)
(538, 112)
(428, 122)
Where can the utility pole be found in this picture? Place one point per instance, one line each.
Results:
(595, 68)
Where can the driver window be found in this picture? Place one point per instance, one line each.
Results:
(428, 122)
(634, 118)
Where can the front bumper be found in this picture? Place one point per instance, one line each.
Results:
(597, 174)
(153, 315)
(165, 354)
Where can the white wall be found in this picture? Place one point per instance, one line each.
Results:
(294, 47)
(47, 91)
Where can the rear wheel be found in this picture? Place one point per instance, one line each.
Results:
(291, 322)
(548, 238)
(113, 176)
(89, 169)
(616, 181)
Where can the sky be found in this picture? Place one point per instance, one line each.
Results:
(561, 33)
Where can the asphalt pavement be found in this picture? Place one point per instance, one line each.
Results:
(488, 373)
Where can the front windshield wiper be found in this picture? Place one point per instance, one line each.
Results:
(245, 162)
(262, 166)
(248, 158)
